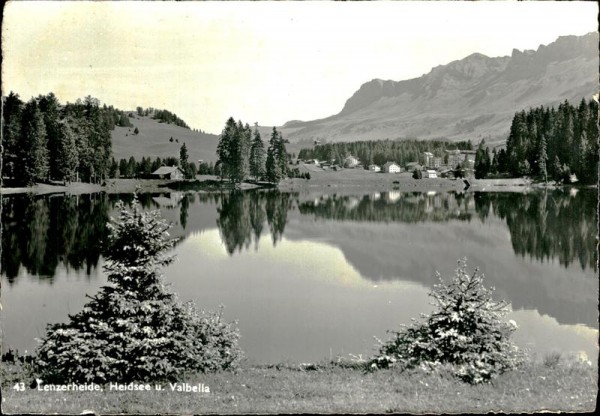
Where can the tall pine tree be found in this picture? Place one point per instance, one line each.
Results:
(257, 156)
(183, 160)
(34, 148)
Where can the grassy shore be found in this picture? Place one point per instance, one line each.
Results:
(328, 388)
(349, 180)
(342, 181)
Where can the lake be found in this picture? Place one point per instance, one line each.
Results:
(314, 276)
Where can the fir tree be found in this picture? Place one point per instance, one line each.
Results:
(257, 156)
(66, 153)
(224, 155)
(276, 163)
(465, 333)
(11, 134)
(34, 148)
(183, 160)
(543, 159)
(135, 329)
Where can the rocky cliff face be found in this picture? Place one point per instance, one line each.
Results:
(466, 99)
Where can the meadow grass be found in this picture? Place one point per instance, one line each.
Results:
(154, 140)
(328, 388)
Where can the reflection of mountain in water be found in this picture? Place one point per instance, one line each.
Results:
(385, 236)
(399, 243)
(543, 225)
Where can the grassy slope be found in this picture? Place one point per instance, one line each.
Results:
(332, 389)
(153, 140)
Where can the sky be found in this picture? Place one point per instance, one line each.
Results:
(265, 62)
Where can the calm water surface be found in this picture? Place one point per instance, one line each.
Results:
(314, 276)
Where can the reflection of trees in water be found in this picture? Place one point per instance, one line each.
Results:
(392, 206)
(549, 224)
(39, 232)
(242, 215)
(543, 225)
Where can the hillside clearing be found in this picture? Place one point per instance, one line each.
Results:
(153, 140)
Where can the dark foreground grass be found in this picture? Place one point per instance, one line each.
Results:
(329, 389)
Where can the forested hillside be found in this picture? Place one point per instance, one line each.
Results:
(382, 151)
(44, 140)
(548, 143)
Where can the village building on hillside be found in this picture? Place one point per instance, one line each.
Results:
(432, 161)
(391, 167)
(374, 168)
(350, 162)
(454, 158)
(466, 158)
(431, 174)
(428, 158)
(167, 172)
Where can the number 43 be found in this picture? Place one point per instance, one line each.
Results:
(19, 387)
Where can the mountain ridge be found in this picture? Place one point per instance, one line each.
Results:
(473, 97)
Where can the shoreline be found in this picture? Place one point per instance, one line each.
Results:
(328, 182)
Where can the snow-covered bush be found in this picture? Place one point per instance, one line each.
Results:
(466, 333)
(135, 329)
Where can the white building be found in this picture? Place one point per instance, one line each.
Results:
(391, 167)
(431, 174)
(428, 159)
(374, 168)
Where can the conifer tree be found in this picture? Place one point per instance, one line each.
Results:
(273, 167)
(224, 148)
(257, 156)
(66, 153)
(11, 134)
(183, 160)
(466, 333)
(543, 159)
(135, 329)
(49, 108)
(34, 148)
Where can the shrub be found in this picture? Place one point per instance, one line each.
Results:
(465, 333)
(135, 329)
(417, 174)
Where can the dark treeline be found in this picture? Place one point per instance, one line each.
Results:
(163, 116)
(381, 151)
(44, 140)
(241, 154)
(548, 144)
(242, 217)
